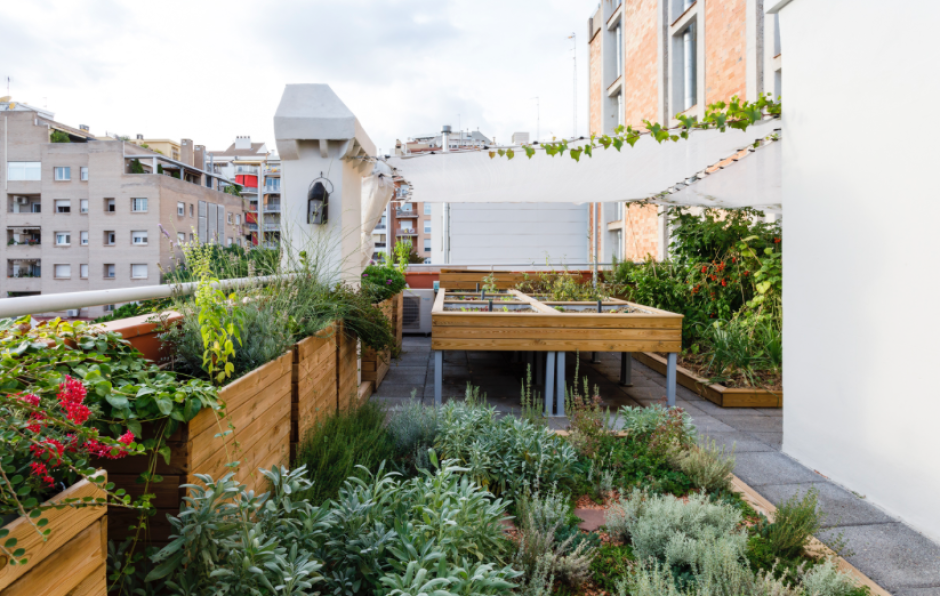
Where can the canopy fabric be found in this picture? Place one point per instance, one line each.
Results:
(377, 190)
(642, 172)
(752, 181)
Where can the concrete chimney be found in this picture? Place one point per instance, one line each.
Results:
(445, 138)
(186, 152)
(243, 142)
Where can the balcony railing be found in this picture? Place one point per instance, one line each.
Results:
(272, 208)
(276, 188)
(246, 170)
(407, 232)
(269, 171)
(406, 213)
(272, 227)
(252, 226)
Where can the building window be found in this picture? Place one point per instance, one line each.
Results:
(406, 207)
(427, 226)
(138, 271)
(24, 170)
(427, 208)
(109, 238)
(238, 219)
(63, 271)
(190, 209)
(180, 237)
(138, 205)
(181, 209)
(689, 67)
(192, 237)
(83, 173)
(109, 206)
(83, 238)
(62, 174)
(36, 207)
(139, 238)
(83, 205)
(618, 50)
(63, 238)
(63, 206)
(228, 242)
(109, 307)
(427, 245)
(229, 218)
(83, 271)
(109, 271)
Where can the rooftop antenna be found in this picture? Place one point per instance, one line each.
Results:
(574, 85)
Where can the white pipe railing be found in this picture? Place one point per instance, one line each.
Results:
(28, 305)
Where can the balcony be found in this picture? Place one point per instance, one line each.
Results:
(272, 171)
(25, 269)
(253, 227)
(272, 208)
(246, 170)
(275, 227)
(23, 238)
(273, 188)
(408, 232)
(405, 213)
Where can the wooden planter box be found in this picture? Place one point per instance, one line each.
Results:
(374, 364)
(347, 369)
(726, 397)
(258, 406)
(73, 561)
(544, 329)
(313, 382)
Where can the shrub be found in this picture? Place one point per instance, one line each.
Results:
(796, 520)
(382, 282)
(505, 455)
(664, 430)
(542, 520)
(413, 426)
(342, 445)
(826, 580)
(653, 522)
(611, 566)
(708, 467)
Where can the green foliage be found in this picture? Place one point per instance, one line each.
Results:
(57, 136)
(135, 309)
(561, 286)
(413, 427)
(611, 566)
(503, 455)
(404, 254)
(233, 189)
(708, 467)
(343, 445)
(383, 282)
(795, 521)
(220, 317)
(136, 167)
(742, 347)
(825, 579)
(229, 262)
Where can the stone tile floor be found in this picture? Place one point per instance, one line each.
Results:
(896, 557)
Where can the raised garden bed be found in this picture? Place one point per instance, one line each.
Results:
(72, 561)
(726, 397)
(375, 365)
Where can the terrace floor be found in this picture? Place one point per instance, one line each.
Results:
(896, 557)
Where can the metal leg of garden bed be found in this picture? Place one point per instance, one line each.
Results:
(626, 369)
(538, 368)
(438, 375)
(671, 378)
(549, 381)
(560, 385)
(594, 358)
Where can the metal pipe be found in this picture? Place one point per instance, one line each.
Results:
(438, 376)
(671, 361)
(560, 385)
(549, 382)
(27, 305)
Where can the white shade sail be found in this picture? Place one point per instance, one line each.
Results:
(631, 174)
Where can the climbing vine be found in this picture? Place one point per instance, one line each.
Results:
(721, 115)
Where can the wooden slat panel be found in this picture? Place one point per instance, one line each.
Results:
(66, 524)
(65, 568)
(95, 584)
(543, 333)
(556, 345)
(592, 321)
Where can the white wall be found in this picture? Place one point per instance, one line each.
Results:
(861, 329)
(512, 233)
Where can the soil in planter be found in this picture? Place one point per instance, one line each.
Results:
(496, 308)
(771, 380)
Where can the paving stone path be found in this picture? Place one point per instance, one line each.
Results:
(895, 556)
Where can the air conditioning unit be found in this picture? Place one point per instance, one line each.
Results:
(74, 312)
(22, 200)
(416, 311)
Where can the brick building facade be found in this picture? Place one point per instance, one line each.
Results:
(654, 59)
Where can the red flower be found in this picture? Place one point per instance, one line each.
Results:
(99, 449)
(31, 399)
(734, 260)
(714, 277)
(50, 450)
(747, 273)
(704, 268)
(721, 266)
(724, 282)
(71, 395)
(127, 438)
(776, 240)
(40, 469)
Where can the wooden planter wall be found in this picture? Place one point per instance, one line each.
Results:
(347, 370)
(258, 406)
(73, 561)
(314, 381)
(468, 279)
(374, 364)
(726, 397)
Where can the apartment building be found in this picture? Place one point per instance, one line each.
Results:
(258, 171)
(83, 213)
(653, 59)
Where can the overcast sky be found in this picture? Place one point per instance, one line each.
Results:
(211, 70)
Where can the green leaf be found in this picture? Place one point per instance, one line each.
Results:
(117, 401)
(103, 388)
(165, 405)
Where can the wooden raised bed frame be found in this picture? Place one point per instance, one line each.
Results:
(73, 561)
(548, 330)
(726, 397)
(375, 365)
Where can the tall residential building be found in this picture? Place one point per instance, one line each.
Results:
(653, 59)
(258, 171)
(82, 213)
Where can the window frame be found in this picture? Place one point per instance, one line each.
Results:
(67, 170)
(83, 173)
(112, 271)
(83, 206)
(58, 203)
(134, 204)
(110, 205)
(180, 209)
(110, 238)
(146, 271)
(83, 271)
(83, 238)
(427, 226)
(68, 238)
(55, 271)
(27, 166)
(134, 234)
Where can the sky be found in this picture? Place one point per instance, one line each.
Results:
(210, 70)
